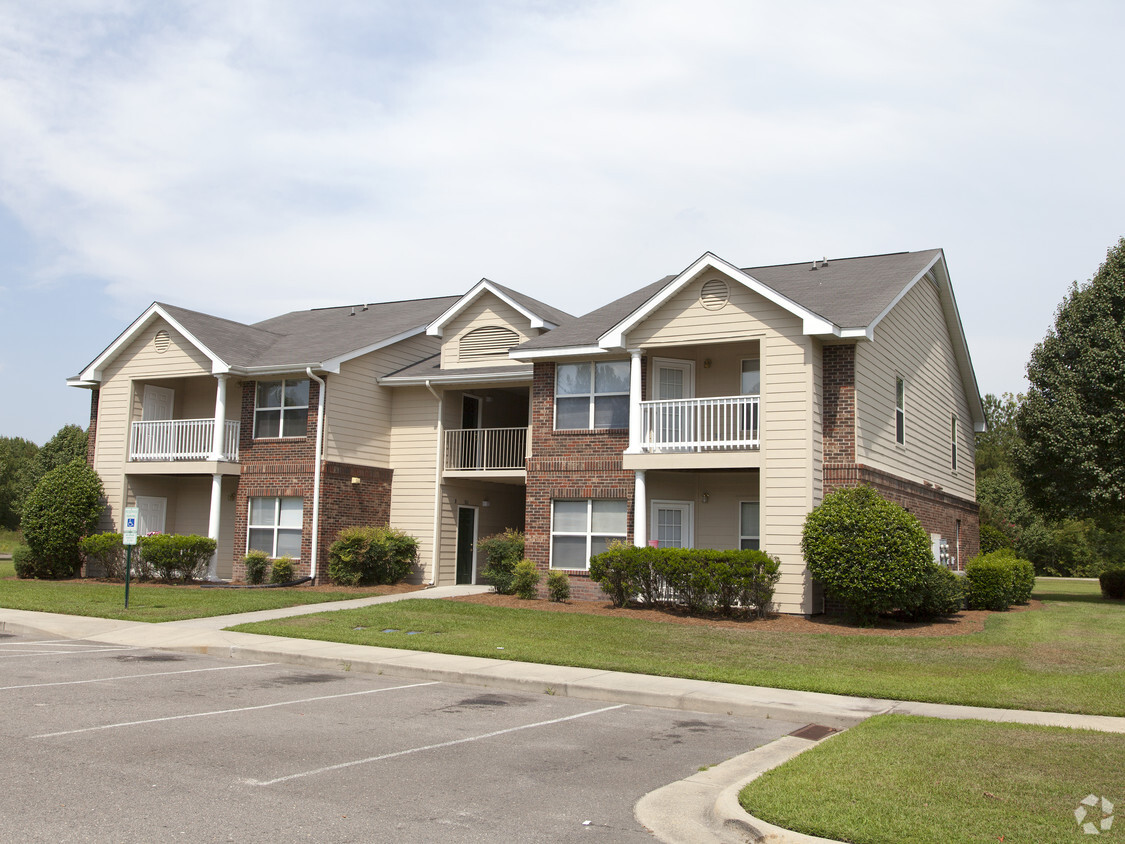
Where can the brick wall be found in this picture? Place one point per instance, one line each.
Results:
(92, 431)
(838, 373)
(344, 504)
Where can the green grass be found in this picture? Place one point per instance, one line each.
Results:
(1065, 657)
(9, 539)
(960, 781)
(148, 603)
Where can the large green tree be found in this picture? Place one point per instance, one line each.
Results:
(67, 445)
(1072, 422)
(16, 457)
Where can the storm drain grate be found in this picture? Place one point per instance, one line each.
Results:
(814, 732)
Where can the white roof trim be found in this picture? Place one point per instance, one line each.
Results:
(437, 327)
(921, 275)
(813, 323)
(563, 352)
(333, 364)
(93, 372)
(455, 378)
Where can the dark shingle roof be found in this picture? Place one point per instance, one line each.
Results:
(431, 368)
(553, 315)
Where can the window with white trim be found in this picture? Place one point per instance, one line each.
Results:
(900, 411)
(749, 525)
(274, 526)
(592, 395)
(953, 442)
(580, 529)
(281, 408)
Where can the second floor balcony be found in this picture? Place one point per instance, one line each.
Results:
(174, 440)
(717, 423)
(487, 451)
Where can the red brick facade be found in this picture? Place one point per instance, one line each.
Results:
(839, 404)
(92, 431)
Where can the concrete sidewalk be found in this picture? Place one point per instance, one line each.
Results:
(701, 808)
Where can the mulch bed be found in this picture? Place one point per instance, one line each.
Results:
(967, 621)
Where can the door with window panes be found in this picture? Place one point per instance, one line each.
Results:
(672, 523)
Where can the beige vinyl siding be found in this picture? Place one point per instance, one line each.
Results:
(790, 409)
(486, 310)
(717, 519)
(506, 508)
(139, 361)
(913, 342)
(358, 411)
(413, 457)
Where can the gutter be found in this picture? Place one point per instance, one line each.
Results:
(439, 460)
(316, 470)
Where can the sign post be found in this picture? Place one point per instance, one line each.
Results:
(129, 539)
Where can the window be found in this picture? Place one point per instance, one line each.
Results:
(281, 408)
(275, 526)
(900, 411)
(580, 529)
(749, 525)
(751, 384)
(953, 442)
(592, 395)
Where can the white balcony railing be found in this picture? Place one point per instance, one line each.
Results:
(711, 424)
(485, 448)
(181, 439)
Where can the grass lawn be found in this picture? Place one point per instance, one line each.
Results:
(149, 603)
(961, 781)
(1065, 657)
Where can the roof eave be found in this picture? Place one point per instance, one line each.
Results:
(437, 327)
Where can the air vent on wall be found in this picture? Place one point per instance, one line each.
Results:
(487, 343)
(714, 294)
(161, 341)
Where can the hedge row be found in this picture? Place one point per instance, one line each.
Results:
(699, 578)
(168, 556)
(999, 579)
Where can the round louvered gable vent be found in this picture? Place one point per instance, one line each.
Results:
(162, 341)
(714, 294)
(486, 343)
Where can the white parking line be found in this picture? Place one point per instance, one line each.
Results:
(136, 676)
(431, 747)
(59, 642)
(67, 653)
(230, 711)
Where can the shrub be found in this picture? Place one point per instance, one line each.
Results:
(502, 551)
(1023, 579)
(176, 557)
(24, 562)
(558, 586)
(525, 580)
(1113, 584)
(64, 507)
(688, 575)
(759, 579)
(106, 553)
(990, 581)
(256, 563)
(613, 571)
(943, 593)
(282, 570)
(993, 538)
(867, 552)
(364, 556)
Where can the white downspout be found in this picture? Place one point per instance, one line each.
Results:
(316, 470)
(438, 463)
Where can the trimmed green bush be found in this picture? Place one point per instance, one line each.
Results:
(689, 575)
(256, 563)
(943, 594)
(282, 570)
(1023, 580)
(106, 554)
(1113, 584)
(23, 561)
(64, 507)
(175, 557)
(365, 556)
(525, 580)
(558, 586)
(990, 581)
(613, 571)
(867, 552)
(502, 551)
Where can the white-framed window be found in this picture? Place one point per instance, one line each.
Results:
(582, 528)
(749, 525)
(592, 395)
(281, 408)
(274, 526)
(900, 411)
(750, 383)
(953, 442)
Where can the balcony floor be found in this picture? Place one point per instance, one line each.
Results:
(726, 459)
(182, 467)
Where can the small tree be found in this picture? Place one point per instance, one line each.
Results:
(867, 552)
(63, 508)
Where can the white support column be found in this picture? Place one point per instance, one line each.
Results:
(220, 420)
(640, 509)
(635, 396)
(213, 524)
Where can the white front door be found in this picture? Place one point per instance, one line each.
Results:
(672, 523)
(151, 511)
(157, 403)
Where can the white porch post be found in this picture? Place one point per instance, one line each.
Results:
(213, 524)
(220, 420)
(635, 397)
(640, 509)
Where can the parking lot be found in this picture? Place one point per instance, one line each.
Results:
(106, 743)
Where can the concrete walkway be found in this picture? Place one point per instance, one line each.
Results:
(700, 809)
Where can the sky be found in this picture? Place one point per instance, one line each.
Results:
(250, 158)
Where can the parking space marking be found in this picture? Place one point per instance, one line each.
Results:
(59, 642)
(82, 652)
(136, 676)
(229, 711)
(451, 743)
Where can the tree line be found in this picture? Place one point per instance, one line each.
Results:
(23, 464)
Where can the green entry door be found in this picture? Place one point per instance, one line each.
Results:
(466, 543)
